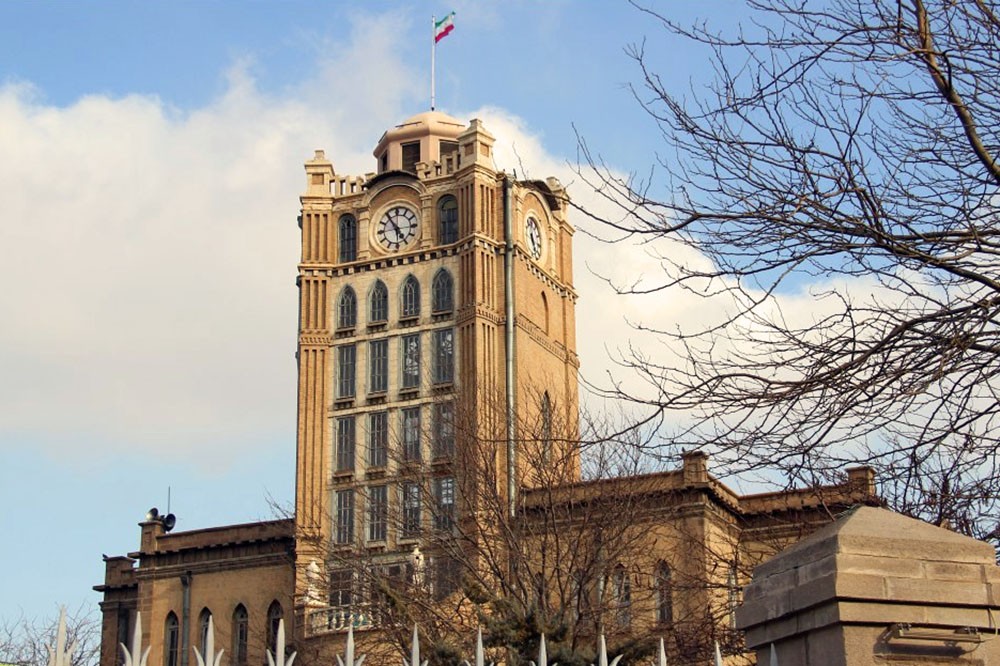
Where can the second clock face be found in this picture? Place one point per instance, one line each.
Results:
(397, 227)
(534, 235)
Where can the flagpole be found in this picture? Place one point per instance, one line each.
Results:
(433, 52)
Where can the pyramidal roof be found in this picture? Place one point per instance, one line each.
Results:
(876, 532)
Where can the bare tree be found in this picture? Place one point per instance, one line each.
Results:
(576, 559)
(26, 641)
(847, 150)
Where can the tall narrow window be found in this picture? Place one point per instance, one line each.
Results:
(123, 634)
(348, 238)
(378, 366)
(546, 433)
(444, 356)
(411, 434)
(341, 587)
(378, 312)
(410, 353)
(411, 509)
(664, 594)
(347, 309)
(411, 155)
(444, 500)
(448, 219)
(623, 596)
(171, 641)
(345, 443)
(345, 516)
(444, 429)
(445, 576)
(378, 439)
(346, 356)
(733, 587)
(378, 512)
(274, 615)
(441, 293)
(203, 621)
(241, 635)
(410, 304)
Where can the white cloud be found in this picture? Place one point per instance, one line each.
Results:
(150, 255)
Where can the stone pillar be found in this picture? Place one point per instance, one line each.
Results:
(876, 587)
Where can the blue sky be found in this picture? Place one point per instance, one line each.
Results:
(150, 163)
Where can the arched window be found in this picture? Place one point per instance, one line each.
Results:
(274, 615)
(379, 304)
(441, 293)
(664, 594)
(204, 620)
(448, 219)
(171, 641)
(546, 434)
(348, 238)
(347, 309)
(623, 596)
(241, 634)
(410, 306)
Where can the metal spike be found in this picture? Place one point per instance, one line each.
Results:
(774, 656)
(663, 655)
(718, 655)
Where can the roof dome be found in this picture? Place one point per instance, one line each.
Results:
(419, 138)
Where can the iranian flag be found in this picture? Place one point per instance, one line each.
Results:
(444, 27)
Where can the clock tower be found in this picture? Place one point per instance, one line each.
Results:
(436, 322)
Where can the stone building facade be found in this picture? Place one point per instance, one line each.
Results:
(437, 366)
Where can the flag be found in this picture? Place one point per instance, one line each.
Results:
(443, 27)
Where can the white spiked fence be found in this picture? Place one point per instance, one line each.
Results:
(61, 654)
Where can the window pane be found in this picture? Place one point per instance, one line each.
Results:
(411, 509)
(410, 348)
(378, 365)
(379, 310)
(241, 633)
(411, 298)
(345, 516)
(444, 429)
(341, 587)
(378, 512)
(442, 300)
(444, 356)
(378, 439)
(346, 356)
(448, 216)
(345, 443)
(348, 238)
(347, 309)
(411, 433)
(444, 499)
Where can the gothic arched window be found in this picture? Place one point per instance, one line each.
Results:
(348, 238)
(664, 594)
(378, 310)
(410, 305)
(171, 640)
(448, 219)
(274, 615)
(347, 309)
(204, 618)
(442, 298)
(623, 596)
(241, 635)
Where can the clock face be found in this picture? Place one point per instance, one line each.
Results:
(534, 236)
(397, 227)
